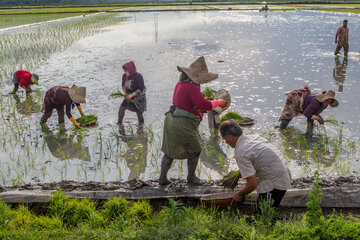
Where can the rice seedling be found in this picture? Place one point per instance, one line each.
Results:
(116, 94)
(231, 179)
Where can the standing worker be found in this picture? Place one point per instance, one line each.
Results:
(342, 39)
(134, 90)
(303, 102)
(24, 79)
(260, 163)
(181, 138)
(60, 97)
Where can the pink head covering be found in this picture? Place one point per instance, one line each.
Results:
(131, 68)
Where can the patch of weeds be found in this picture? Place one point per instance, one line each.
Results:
(141, 210)
(83, 210)
(4, 211)
(116, 208)
(314, 214)
(20, 218)
(63, 208)
(42, 223)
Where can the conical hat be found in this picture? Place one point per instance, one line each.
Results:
(198, 71)
(77, 94)
(325, 96)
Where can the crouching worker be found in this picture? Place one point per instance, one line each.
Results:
(60, 97)
(24, 79)
(260, 164)
(303, 102)
(181, 139)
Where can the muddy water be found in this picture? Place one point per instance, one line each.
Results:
(258, 56)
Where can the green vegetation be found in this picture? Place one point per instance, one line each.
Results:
(116, 94)
(342, 10)
(7, 21)
(88, 119)
(57, 10)
(231, 179)
(121, 219)
(237, 117)
(209, 93)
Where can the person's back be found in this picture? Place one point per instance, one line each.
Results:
(268, 164)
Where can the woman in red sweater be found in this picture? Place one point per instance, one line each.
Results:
(24, 79)
(181, 135)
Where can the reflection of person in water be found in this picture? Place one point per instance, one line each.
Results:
(63, 146)
(136, 154)
(212, 156)
(28, 107)
(339, 72)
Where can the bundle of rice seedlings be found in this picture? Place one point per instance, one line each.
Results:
(116, 94)
(242, 121)
(332, 120)
(209, 93)
(231, 179)
(87, 120)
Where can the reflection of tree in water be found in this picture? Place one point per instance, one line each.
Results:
(306, 148)
(63, 146)
(27, 107)
(212, 156)
(136, 153)
(339, 72)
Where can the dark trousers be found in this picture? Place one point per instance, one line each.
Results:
(121, 113)
(285, 122)
(338, 48)
(275, 194)
(49, 111)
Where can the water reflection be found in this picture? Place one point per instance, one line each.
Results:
(27, 107)
(212, 156)
(136, 153)
(307, 147)
(339, 72)
(63, 146)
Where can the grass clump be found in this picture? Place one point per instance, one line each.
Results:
(116, 208)
(141, 210)
(63, 208)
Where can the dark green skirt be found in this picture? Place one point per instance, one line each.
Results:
(181, 138)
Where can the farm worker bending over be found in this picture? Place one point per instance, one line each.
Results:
(60, 97)
(260, 164)
(24, 79)
(134, 90)
(181, 135)
(303, 102)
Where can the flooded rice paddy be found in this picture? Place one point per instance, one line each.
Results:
(258, 56)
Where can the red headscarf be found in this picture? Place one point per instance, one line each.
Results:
(131, 68)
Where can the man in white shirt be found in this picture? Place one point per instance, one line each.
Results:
(260, 164)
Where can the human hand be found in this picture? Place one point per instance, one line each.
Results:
(318, 118)
(130, 96)
(237, 198)
(220, 103)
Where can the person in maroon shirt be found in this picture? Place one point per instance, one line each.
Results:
(60, 97)
(181, 135)
(134, 90)
(303, 102)
(24, 79)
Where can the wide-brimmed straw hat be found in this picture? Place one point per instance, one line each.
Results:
(77, 94)
(224, 95)
(198, 72)
(327, 95)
